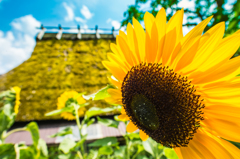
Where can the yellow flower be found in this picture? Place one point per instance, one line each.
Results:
(66, 99)
(182, 91)
(17, 90)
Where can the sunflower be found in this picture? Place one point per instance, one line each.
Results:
(17, 91)
(182, 91)
(66, 99)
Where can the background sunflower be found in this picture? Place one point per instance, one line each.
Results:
(17, 90)
(66, 99)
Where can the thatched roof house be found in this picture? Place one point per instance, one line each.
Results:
(60, 61)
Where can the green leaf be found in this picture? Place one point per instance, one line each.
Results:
(108, 122)
(93, 154)
(66, 131)
(66, 156)
(80, 142)
(149, 147)
(33, 128)
(105, 150)
(7, 151)
(133, 136)
(90, 121)
(96, 111)
(7, 117)
(43, 147)
(107, 141)
(27, 153)
(66, 145)
(120, 152)
(170, 153)
(101, 94)
(59, 111)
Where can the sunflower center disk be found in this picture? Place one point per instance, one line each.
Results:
(162, 104)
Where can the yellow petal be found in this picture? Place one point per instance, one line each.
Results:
(140, 38)
(187, 153)
(225, 50)
(115, 93)
(214, 146)
(187, 57)
(116, 83)
(178, 152)
(207, 45)
(176, 22)
(133, 45)
(123, 117)
(131, 127)
(143, 135)
(195, 32)
(113, 100)
(115, 70)
(116, 50)
(152, 44)
(161, 26)
(115, 58)
(148, 21)
(223, 128)
(169, 45)
(226, 72)
(201, 149)
(123, 111)
(126, 51)
(234, 151)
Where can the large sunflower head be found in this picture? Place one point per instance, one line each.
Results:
(66, 99)
(17, 91)
(180, 90)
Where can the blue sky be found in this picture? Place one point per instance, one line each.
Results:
(19, 19)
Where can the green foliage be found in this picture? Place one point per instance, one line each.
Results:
(105, 150)
(97, 111)
(170, 153)
(108, 122)
(100, 95)
(33, 128)
(7, 151)
(66, 131)
(66, 145)
(107, 141)
(7, 117)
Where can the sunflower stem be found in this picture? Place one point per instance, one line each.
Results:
(76, 107)
(4, 136)
(127, 147)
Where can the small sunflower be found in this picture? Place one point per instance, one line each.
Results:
(17, 90)
(66, 99)
(182, 91)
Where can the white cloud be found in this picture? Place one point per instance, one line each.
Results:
(17, 44)
(79, 19)
(70, 13)
(26, 24)
(186, 4)
(86, 12)
(116, 24)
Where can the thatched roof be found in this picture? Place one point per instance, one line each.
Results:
(56, 66)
